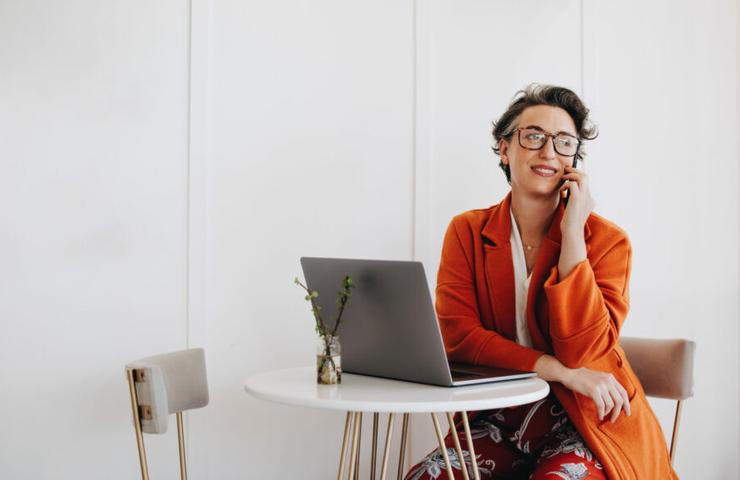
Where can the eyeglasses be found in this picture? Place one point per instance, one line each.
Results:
(534, 139)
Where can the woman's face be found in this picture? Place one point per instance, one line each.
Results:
(538, 172)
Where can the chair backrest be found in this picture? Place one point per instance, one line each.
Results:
(665, 367)
(162, 385)
(167, 384)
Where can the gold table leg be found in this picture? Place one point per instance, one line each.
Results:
(387, 449)
(353, 429)
(471, 449)
(345, 439)
(442, 447)
(353, 454)
(359, 447)
(458, 449)
(404, 437)
(374, 453)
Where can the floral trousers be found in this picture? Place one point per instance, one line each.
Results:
(535, 441)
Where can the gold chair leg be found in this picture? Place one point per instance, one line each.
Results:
(137, 425)
(374, 454)
(353, 451)
(676, 424)
(471, 448)
(347, 422)
(442, 447)
(387, 449)
(181, 447)
(458, 448)
(404, 439)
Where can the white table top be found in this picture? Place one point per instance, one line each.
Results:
(360, 393)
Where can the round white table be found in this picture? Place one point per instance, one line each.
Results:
(360, 393)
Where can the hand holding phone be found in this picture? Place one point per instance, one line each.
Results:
(567, 192)
(579, 209)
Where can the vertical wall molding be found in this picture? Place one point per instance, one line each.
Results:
(422, 132)
(197, 173)
(197, 227)
(421, 159)
(737, 153)
(590, 54)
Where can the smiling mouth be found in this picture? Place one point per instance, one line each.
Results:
(544, 172)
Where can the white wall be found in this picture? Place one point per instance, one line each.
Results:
(93, 155)
(165, 165)
(311, 154)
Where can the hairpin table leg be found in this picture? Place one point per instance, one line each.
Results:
(458, 449)
(471, 449)
(404, 437)
(359, 447)
(355, 442)
(442, 447)
(387, 449)
(345, 439)
(374, 453)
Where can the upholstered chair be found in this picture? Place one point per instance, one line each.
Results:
(665, 369)
(160, 386)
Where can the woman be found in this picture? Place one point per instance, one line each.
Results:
(538, 282)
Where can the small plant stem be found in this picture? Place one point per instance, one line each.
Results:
(342, 302)
(319, 321)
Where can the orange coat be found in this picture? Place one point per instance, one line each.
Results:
(577, 320)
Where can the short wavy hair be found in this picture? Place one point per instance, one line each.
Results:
(554, 96)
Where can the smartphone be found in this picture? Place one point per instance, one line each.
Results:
(567, 192)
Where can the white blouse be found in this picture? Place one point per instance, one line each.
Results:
(521, 284)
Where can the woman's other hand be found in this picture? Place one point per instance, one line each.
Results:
(580, 201)
(607, 393)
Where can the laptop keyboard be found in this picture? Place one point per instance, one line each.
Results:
(465, 374)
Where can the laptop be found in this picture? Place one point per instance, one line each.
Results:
(389, 328)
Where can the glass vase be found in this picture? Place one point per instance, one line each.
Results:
(328, 360)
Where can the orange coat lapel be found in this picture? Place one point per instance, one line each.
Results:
(500, 269)
(538, 318)
(500, 275)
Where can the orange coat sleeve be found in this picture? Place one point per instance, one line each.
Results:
(466, 339)
(588, 307)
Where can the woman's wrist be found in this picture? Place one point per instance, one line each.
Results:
(573, 235)
(572, 252)
(550, 369)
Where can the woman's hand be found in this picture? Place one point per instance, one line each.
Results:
(580, 204)
(601, 387)
(580, 201)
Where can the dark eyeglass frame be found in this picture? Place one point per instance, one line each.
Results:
(552, 137)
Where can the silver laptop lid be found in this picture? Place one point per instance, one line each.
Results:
(389, 328)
